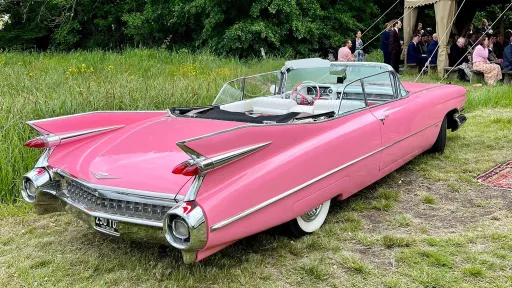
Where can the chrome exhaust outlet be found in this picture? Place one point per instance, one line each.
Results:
(459, 120)
(185, 229)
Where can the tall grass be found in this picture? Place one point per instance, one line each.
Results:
(37, 86)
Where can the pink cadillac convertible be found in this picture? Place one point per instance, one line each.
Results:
(273, 149)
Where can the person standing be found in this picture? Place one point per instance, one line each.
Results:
(385, 44)
(431, 48)
(484, 28)
(507, 57)
(419, 30)
(344, 54)
(491, 71)
(395, 46)
(357, 47)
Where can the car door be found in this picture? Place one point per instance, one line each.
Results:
(398, 114)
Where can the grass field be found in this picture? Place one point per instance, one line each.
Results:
(426, 225)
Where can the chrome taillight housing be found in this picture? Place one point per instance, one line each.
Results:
(185, 229)
(32, 182)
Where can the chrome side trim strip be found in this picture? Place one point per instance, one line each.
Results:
(293, 190)
(87, 132)
(53, 140)
(223, 159)
(86, 113)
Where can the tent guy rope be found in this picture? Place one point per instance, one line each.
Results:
(378, 35)
(380, 18)
(441, 40)
(471, 49)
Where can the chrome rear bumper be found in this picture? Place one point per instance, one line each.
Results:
(135, 216)
(129, 228)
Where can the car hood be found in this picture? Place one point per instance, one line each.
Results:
(140, 156)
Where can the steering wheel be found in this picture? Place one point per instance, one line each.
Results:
(304, 99)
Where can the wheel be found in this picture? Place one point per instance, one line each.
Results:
(440, 143)
(310, 221)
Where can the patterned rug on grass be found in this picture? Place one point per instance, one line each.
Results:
(499, 177)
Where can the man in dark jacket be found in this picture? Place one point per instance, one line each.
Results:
(458, 55)
(414, 55)
(385, 46)
(395, 46)
(507, 57)
(431, 47)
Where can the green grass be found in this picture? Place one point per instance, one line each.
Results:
(426, 225)
(37, 86)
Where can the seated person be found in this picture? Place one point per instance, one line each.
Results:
(458, 53)
(431, 48)
(423, 44)
(507, 57)
(414, 56)
(458, 56)
(491, 71)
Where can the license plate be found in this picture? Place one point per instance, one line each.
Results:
(106, 225)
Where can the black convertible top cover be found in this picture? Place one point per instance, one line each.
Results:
(219, 114)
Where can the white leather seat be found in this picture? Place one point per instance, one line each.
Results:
(269, 105)
(302, 109)
(324, 106)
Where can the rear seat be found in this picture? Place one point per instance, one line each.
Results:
(323, 106)
(279, 106)
(270, 105)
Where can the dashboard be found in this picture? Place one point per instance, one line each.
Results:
(325, 91)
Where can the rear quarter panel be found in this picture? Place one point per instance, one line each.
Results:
(297, 154)
(440, 100)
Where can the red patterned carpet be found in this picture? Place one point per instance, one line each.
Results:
(498, 177)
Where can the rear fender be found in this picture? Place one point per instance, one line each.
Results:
(91, 121)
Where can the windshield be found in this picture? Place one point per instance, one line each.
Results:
(265, 84)
(336, 73)
(333, 74)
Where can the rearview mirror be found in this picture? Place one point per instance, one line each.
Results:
(338, 70)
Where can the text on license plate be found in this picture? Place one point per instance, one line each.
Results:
(106, 225)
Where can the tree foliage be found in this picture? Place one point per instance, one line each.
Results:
(240, 28)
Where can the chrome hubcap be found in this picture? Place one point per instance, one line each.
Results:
(311, 215)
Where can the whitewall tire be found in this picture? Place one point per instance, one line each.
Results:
(310, 221)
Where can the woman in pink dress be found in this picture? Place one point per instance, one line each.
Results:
(492, 72)
(344, 54)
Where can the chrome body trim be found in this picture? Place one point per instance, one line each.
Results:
(130, 192)
(53, 140)
(86, 113)
(43, 159)
(52, 197)
(223, 159)
(249, 211)
(127, 230)
(194, 188)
